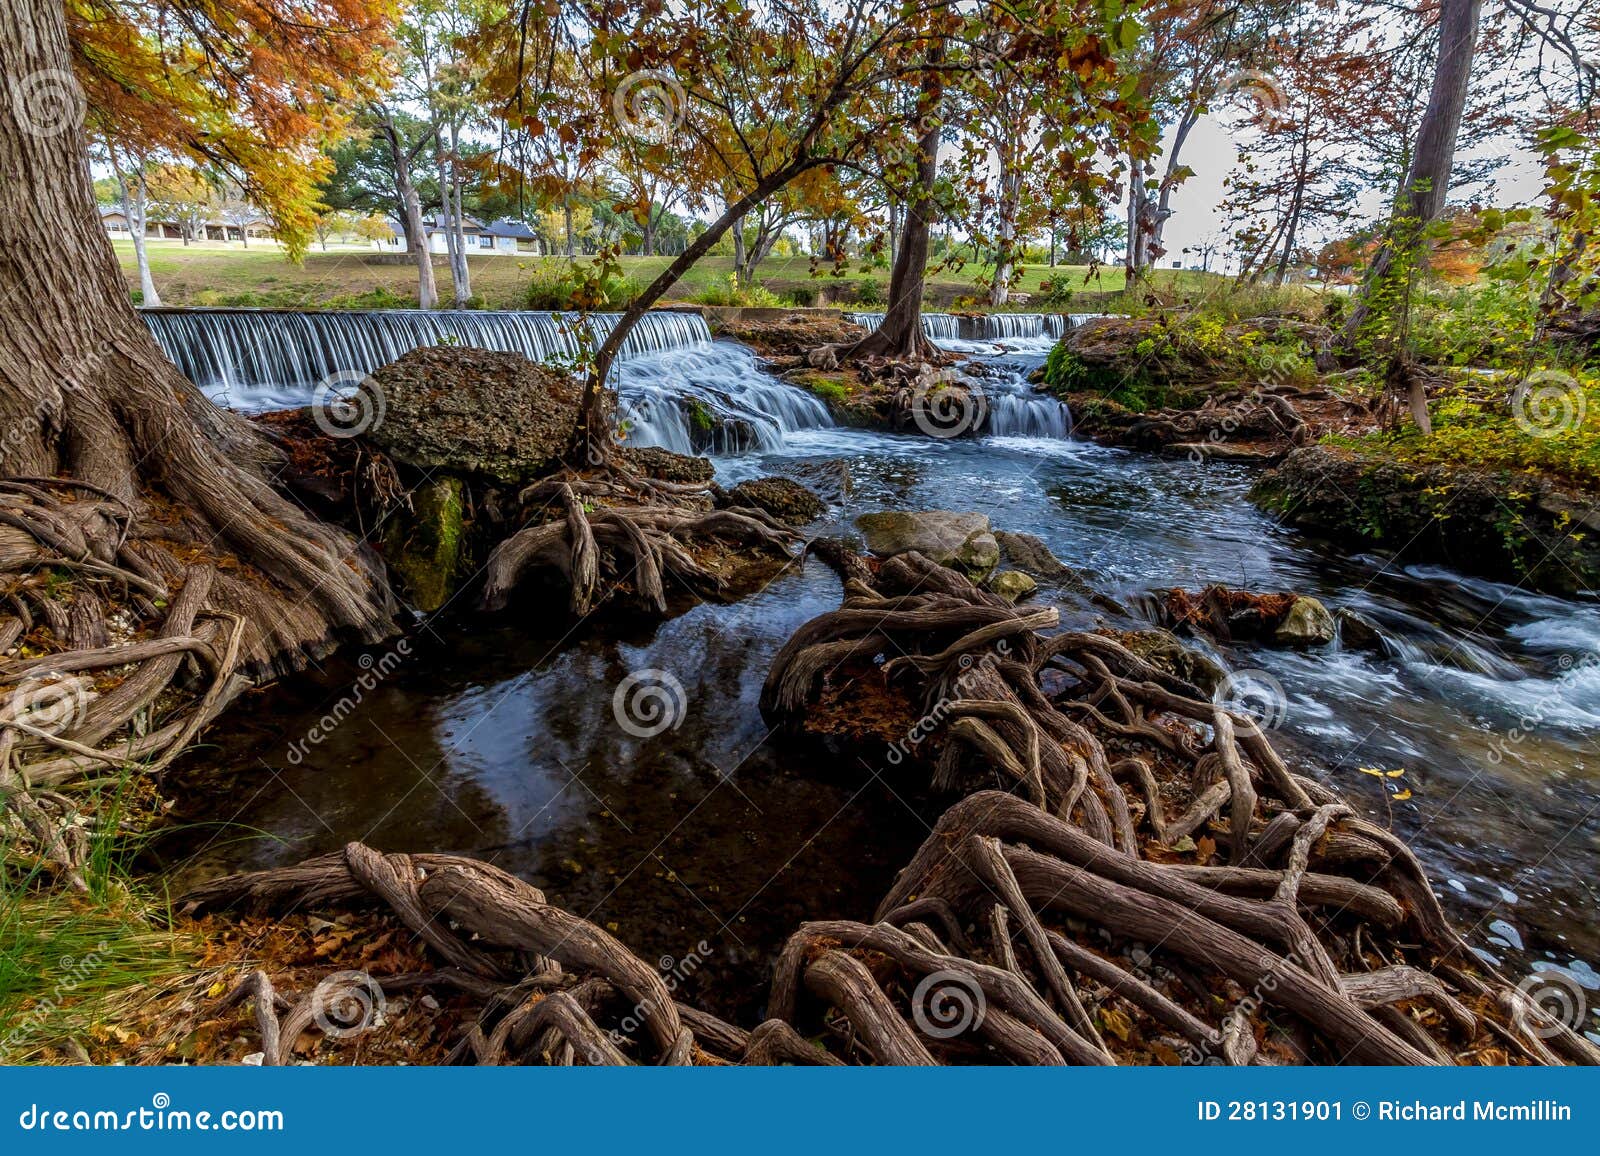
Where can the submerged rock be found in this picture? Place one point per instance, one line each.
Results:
(785, 499)
(961, 541)
(1358, 632)
(1029, 552)
(1308, 623)
(473, 412)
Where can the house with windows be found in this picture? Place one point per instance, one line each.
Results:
(504, 236)
(156, 228)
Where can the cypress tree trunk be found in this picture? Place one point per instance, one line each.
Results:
(901, 334)
(86, 394)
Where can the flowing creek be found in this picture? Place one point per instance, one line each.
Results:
(708, 843)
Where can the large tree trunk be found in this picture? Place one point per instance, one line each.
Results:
(1427, 185)
(1005, 249)
(460, 273)
(87, 395)
(1171, 179)
(901, 334)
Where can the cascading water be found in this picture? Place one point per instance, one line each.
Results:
(710, 398)
(678, 389)
(988, 328)
(1012, 344)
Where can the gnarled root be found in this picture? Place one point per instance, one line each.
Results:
(618, 530)
(1188, 899)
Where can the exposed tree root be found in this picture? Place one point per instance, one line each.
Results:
(119, 653)
(614, 530)
(1191, 898)
(555, 989)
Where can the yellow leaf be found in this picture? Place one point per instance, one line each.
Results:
(1402, 795)
(1395, 774)
(216, 989)
(1378, 771)
(1116, 1022)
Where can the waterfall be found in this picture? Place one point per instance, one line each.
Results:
(712, 398)
(1016, 409)
(985, 327)
(269, 359)
(677, 388)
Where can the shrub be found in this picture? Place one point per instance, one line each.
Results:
(871, 291)
(728, 293)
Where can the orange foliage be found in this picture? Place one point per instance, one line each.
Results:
(254, 87)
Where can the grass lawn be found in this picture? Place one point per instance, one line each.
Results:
(229, 274)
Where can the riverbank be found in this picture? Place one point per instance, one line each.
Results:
(1507, 486)
(505, 749)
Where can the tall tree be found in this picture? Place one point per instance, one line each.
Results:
(1427, 184)
(133, 198)
(167, 477)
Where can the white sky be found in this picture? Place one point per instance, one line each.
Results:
(1212, 154)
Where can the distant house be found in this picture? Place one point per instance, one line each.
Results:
(116, 225)
(504, 236)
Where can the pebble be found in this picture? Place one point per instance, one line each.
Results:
(1506, 932)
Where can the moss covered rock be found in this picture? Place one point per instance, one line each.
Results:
(1505, 526)
(425, 544)
(473, 412)
(785, 499)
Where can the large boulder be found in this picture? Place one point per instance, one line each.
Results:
(961, 541)
(473, 412)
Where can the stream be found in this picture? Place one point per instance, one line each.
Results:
(707, 843)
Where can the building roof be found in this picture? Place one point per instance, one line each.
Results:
(506, 227)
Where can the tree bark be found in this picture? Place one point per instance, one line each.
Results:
(86, 394)
(901, 334)
(411, 225)
(1427, 185)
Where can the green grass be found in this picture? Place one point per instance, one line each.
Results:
(70, 961)
(228, 274)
